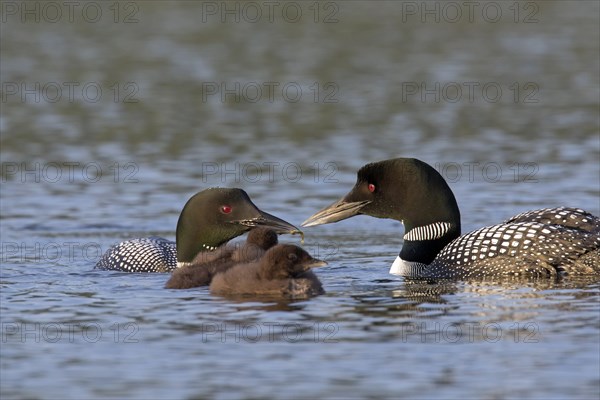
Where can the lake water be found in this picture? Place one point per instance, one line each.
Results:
(115, 113)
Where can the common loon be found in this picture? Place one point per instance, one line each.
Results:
(284, 271)
(549, 242)
(207, 264)
(209, 219)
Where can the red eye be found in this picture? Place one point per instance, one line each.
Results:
(225, 209)
(371, 187)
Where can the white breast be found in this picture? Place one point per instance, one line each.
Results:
(405, 268)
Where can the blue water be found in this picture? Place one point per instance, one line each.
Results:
(79, 176)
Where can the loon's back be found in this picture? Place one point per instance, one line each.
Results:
(151, 254)
(540, 243)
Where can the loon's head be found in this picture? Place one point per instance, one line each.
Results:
(404, 189)
(214, 216)
(286, 261)
(409, 191)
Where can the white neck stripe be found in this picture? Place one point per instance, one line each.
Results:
(428, 232)
(181, 264)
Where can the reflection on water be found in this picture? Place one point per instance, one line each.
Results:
(82, 172)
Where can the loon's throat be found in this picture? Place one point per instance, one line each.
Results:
(423, 243)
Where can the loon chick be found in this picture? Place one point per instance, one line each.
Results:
(207, 264)
(284, 271)
(209, 219)
(543, 243)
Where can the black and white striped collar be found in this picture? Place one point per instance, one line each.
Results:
(428, 232)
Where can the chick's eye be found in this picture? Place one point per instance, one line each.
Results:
(292, 257)
(371, 187)
(226, 209)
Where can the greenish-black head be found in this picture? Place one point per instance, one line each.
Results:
(214, 216)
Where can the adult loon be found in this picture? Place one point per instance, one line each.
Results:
(207, 264)
(284, 271)
(209, 219)
(543, 243)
